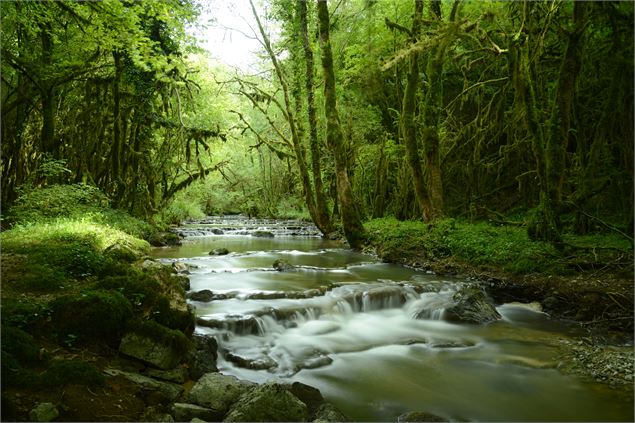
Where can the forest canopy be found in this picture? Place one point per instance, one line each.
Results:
(517, 112)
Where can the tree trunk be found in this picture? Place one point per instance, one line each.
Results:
(321, 207)
(290, 116)
(351, 222)
(48, 96)
(409, 123)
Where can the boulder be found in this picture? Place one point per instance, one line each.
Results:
(183, 281)
(44, 412)
(150, 264)
(219, 252)
(217, 391)
(201, 362)
(204, 295)
(122, 252)
(162, 239)
(170, 391)
(282, 265)
(217, 231)
(310, 396)
(181, 268)
(262, 234)
(149, 350)
(177, 375)
(328, 413)
(270, 402)
(153, 414)
(419, 416)
(260, 363)
(184, 412)
(471, 305)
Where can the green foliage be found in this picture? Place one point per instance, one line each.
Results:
(179, 209)
(96, 315)
(75, 201)
(74, 246)
(23, 313)
(479, 244)
(65, 372)
(43, 278)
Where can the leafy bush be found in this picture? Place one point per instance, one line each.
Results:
(180, 209)
(94, 315)
(23, 314)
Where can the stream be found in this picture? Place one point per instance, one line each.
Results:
(371, 335)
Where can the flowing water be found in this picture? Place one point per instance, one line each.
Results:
(371, 335)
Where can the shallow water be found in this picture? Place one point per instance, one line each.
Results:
(343, 322)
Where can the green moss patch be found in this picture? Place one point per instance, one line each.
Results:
(151, 329)
(64, 372)
(97, 315)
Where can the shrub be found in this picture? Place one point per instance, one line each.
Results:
(94, 315)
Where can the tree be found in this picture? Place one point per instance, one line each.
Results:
(351, 222)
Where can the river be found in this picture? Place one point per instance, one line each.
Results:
(345, 323)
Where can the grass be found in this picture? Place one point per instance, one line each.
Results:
(479, 244)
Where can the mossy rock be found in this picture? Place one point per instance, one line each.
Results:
(64, 372)
(98, 315)
(155, 344)
(123, 252)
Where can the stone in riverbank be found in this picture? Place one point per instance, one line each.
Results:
(262, 234)
(419, 416)
(184, 412)
(44, 412)
(149, 350)
(218, 392)
(271, 402)
(219, 252)
(170, 391)
(471, 306)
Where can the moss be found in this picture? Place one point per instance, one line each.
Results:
(24, 313)
(63, 372)
(151, 329)
(97, 315)
(21, 345)
(14, 375)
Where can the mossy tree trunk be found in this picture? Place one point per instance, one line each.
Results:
(297, 145)
(321, 207)
(409, 122)
(351, 221)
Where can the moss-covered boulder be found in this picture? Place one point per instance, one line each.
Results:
(471, 306)
(270, 402)
(218, 392)
(155, 344)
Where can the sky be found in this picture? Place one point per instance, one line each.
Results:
(229, 34)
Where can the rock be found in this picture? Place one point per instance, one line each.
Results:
(239, 324)
(184, 412)
(201, 362)
(310, 396)
(270, 402)
(262, 234)
(261, 363)
(217, 231)
(471, 306)
(217, 391)
(153, 414)
(151, 265)
(177, 375)
(122, 252)
(162, 239)
(181, 268)
(183, 281)
(152, 351)
(44, 412)
(419, 416)
(329, 413)
(204, 295)
(197, 420)
(282, 265)
(316, 362)
(219, 252)
(169, 390)
(203, 358)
